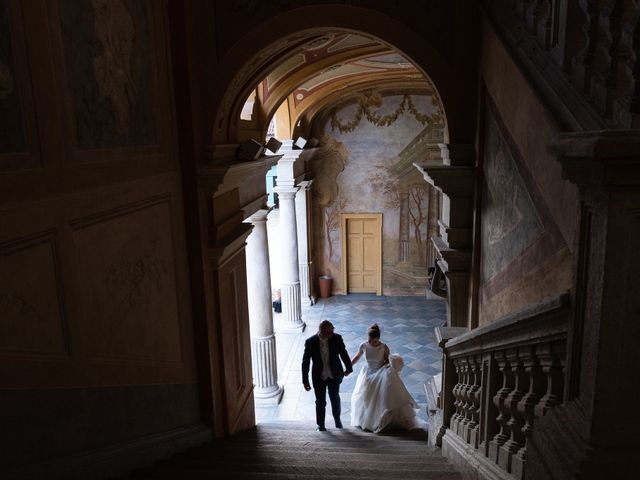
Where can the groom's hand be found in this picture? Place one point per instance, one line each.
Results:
(346, 374)
(307, 387)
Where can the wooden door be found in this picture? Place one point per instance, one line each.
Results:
(361, 253)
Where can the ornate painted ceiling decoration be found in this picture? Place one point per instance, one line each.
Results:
(316, 50)
(371, 99)
(375, 68)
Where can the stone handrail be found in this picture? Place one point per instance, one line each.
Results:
(506, 375)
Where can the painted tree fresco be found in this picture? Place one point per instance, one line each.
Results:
(365, 165)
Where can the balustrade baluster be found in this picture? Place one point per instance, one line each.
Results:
(515, 421)
(583, 63)
(608, 13)
(538, 20)
(526, 406)
(551, 357)
(464, 395)
(522, 7)
(499, 401)
(471, 434)
(455, 418)
(621, 80)
(635, 96)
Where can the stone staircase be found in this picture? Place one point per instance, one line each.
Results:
(294, 451)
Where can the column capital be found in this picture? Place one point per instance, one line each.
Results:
(258, 217)
(286, 173)
(286, 192)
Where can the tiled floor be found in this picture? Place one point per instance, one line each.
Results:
(407, 325)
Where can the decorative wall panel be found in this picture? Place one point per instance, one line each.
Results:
(127, 285)
(111, 73)
(32, 317)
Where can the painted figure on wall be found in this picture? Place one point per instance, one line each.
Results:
(111, 72)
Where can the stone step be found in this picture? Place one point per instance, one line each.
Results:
(343, 446)
(314, 454)
(320, 475)
(334, 435)
(295, 451)
(360, 460)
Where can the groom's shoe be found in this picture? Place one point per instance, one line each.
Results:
(338, 424)
(320, 429)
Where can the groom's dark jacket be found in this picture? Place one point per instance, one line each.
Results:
(312, 353)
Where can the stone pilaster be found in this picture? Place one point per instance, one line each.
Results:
(455, 178)
(263, 340)
(303, 198)
(594, 433)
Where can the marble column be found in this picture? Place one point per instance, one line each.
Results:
(263, 340)
(302, 225)
(291, 305)
(289, 268)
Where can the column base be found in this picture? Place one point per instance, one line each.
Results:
(291, 308)
(268, 397)
(289, 327)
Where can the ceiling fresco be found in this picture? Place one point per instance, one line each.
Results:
(330, 68)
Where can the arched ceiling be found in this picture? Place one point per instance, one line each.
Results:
(328, 69)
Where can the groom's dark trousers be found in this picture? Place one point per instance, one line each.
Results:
(320, 388)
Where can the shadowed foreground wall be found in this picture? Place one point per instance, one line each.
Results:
(96, 341)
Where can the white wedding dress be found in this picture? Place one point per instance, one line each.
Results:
(380, 400)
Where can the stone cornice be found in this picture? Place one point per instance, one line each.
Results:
(226, 175)
(453, 259)
(609, 159)
(454, 181)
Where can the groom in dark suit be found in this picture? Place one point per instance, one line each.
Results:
(325, 349)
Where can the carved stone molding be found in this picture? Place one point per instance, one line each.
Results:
(609, 159)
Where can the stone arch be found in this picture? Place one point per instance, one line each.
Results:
(252, 57)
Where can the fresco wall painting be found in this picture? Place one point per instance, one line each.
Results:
(365, 165)
(518, 235)
(110, 72)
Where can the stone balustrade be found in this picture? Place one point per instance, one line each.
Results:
(594, 47)
(507, 375)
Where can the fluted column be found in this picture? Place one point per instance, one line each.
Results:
(302, 225)
(263, 340)
(291, 305)
(286, 190)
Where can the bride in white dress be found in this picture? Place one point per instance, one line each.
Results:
(380, 400)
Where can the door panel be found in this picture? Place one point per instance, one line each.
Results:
(362, 255)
